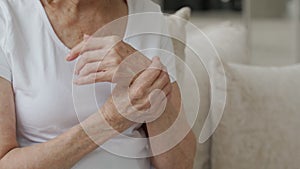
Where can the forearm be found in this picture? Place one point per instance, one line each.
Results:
(179, 141)
(60, 153)
(66, 150)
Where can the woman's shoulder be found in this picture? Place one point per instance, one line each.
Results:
(142, 6)
(17, 2)
(13, 9)
(149, 17)
(18, 20)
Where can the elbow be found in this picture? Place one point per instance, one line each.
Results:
(4, 153)
(5, 149)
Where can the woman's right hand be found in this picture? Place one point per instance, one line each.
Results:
(145, 98)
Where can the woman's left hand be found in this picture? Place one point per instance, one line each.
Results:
(100, 58)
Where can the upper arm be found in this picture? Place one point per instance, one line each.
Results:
(7, 118)
(7, 106)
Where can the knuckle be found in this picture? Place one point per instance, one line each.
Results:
(132, 95)
(114, 39)
(145, 105)
(133, 101)
(84, 58)
(98, 76)
(88, 67)
(92, 77)
(137, 93)
(114, 51)
(88, 77)
(116, 60)
(83, 71)
(138, 106)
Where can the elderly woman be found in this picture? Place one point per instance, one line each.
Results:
(39, 127)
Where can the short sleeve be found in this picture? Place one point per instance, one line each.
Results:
(167, 45)
(170, 59)
(150, 38)
(5, 70)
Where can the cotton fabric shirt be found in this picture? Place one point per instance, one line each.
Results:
(32, 58)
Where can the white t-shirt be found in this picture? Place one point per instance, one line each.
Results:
(32, 58)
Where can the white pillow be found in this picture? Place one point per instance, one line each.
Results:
(177, 23)
(230, 42)
(260, 126)
(178, 31)
(229, 39)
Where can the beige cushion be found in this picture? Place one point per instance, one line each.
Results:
(260, 125)
(177, 29)
(177, 23)
(228, 38)
(230, 41)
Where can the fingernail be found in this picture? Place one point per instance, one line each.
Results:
(68, 57)
(156, 58)
(86, 37)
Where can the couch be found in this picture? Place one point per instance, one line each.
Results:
(261, 114)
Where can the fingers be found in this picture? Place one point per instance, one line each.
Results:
(100, 54)
(158, 101)
(92, 44)
(151, 79)
(148, 76)
(86, 37)
(161, 81)
(167, 90)
(89, 57)
(89, 68)
(100, 64)
(93, 78)
(75, 52)
(158, 106)
(155, 106)
(162, 84)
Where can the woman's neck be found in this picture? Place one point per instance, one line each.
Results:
(75, 10)
(76, 7)
(79, 3)
(71, 19)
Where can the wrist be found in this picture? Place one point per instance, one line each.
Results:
(114, 118)
(126, 50)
